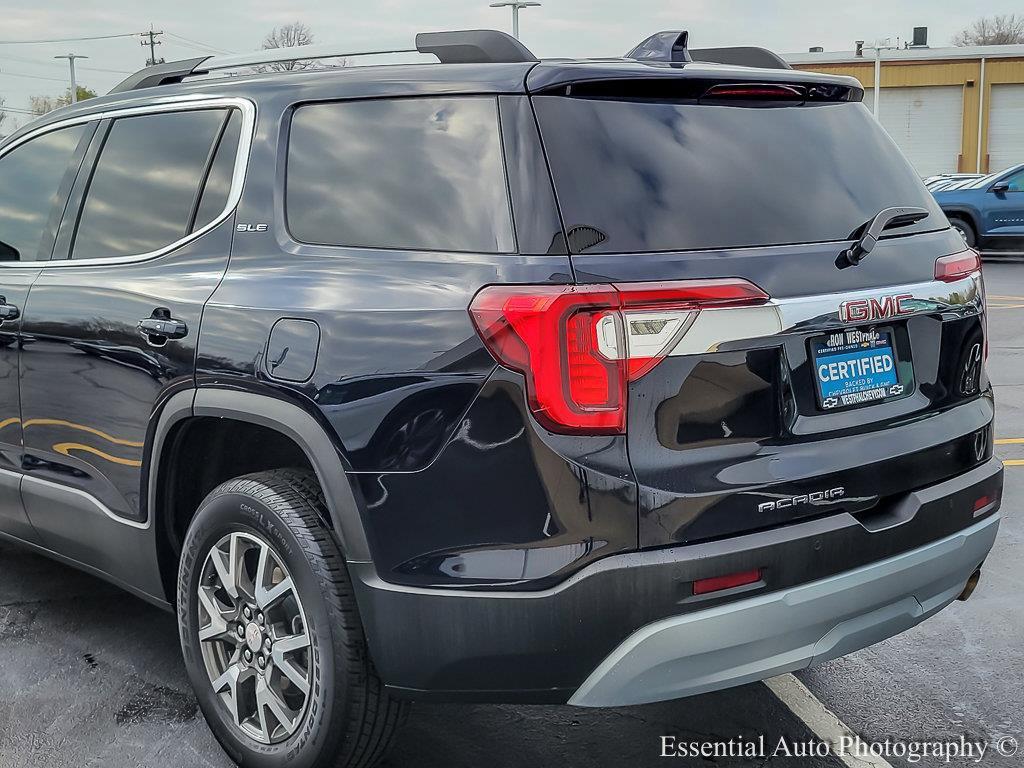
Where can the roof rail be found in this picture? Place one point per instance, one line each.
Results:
(159, 74)
(471, 46)
(295, 53)
(673, 46)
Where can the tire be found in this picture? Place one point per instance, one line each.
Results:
(966, 230)
(271, 524)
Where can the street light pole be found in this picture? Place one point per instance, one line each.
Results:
(515, 5)
(878, 73)
(71, 62)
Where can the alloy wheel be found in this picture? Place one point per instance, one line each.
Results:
(253, 637)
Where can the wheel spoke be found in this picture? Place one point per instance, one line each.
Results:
(267, 597)
(261, 717)
(227, 686)
(218, 628)
(262, 566)
(224, 565)
(290, 644)
(267, 698)
(294, 674)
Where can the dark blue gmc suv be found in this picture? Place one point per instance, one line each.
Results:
(593, 382)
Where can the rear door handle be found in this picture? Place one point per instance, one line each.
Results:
(160, 326)
(8, 311)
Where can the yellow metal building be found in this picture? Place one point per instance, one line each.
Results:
(949, 109)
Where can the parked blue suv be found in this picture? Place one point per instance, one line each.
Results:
(989, 212)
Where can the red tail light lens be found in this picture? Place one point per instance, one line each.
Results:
(756, 91)
(718, 583)
(579, 345)
(957, 266)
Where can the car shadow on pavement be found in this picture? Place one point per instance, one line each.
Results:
(93, 676)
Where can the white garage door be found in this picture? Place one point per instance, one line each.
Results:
(926, 123)
(1006, 127)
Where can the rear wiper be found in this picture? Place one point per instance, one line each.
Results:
(887, 218)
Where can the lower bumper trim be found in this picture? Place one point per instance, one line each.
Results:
(784, 631)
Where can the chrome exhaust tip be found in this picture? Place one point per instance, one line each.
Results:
(972, 584)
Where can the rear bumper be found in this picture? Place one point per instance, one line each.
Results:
(789, 630)
(627, 628)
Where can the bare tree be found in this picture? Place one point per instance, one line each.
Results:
(3, 116)
(289, 36)
(40, 105)
(1003, 29)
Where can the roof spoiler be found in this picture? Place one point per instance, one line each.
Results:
(673, 46)
(471, 46)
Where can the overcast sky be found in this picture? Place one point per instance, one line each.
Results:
(559, 28)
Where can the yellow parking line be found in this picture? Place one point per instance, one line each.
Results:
(1014, 463)
(1009, 440)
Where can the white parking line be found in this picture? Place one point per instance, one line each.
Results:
(821, 720)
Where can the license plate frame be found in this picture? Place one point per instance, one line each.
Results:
(865, 383)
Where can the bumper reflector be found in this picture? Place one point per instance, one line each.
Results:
(718, 583)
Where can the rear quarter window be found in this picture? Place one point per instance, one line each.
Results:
(414, 174)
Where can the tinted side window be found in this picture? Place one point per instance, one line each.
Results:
(399, 173)
(30, 176)
(1016, 182)
(218, 181)
(146, 182)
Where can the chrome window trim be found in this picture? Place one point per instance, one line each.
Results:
(159, 106)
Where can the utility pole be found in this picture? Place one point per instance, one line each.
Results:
(515, 5)
(152, 42)
(71, 61)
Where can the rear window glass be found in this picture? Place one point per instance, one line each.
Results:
(636, 176)
(422, 174)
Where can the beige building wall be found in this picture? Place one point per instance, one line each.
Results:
(977, 92)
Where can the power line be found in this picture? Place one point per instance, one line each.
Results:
(23, 60)
(198, 43)
(69, 39)
(16, 109)
(33, 77)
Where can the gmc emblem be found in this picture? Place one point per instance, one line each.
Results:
(863, 310)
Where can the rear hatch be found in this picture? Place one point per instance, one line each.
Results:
(842, 387)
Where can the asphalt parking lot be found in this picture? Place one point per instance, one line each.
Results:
(90, 676)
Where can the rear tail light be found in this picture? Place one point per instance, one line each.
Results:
(580, 345)
(957, 266)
